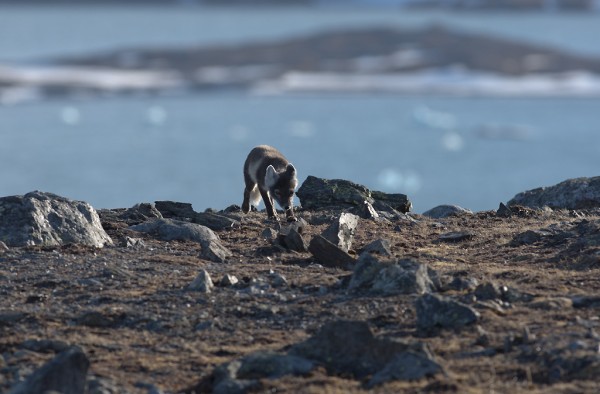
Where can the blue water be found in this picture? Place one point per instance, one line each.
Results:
(119, 152)
(115, 152)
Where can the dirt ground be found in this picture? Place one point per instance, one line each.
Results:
(128, 309)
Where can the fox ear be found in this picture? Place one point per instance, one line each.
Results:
(291, 169)
(271, 177)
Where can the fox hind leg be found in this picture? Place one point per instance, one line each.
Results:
(251, 198)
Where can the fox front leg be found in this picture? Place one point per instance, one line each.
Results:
(269, 204)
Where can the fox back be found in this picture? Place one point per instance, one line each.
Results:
(268, 174)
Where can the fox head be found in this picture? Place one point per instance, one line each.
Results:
(281, 185)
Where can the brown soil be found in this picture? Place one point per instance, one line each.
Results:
(147, 329)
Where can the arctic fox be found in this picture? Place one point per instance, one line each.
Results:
(269, 175)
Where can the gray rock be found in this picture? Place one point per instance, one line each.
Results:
(202, 283)
(181, 210)
(504, 211)
(290, 238)
(407, 366)
(379, 246)
(349, 347)
(229, 280)
(101, 385)
(3, 247)
(140, 213)
(397, 201)
(488, 291)
(437, 311)
(242, 375)
(44, 345)
(269, 234)
(65, 373)
(318, 193)
(213, 250)
(459, 283)
(171, 230)
(39, 218)
(456, 236)
(271, 365)
(444, 211)
(277, 280)
(578, 193)
(341, 231)
(328, 254)
(172, 209)
(530, 237)
(215, 221)
(390, 277)
(129, 242)
(366, 211)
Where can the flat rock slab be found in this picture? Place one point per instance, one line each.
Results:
(456, 236)
(39, 218)
(578, 193)
(319, 193)
(171, 230)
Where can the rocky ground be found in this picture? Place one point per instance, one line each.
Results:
(503, 301)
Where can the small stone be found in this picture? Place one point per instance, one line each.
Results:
(435, 310)
(488, 291)
(390, 277)
(202, 283)
(551, 303)
(176, 230)
(269, 234)
(460, 284)
(292, 240)
(444, 211)
(456, 236)
(379, 246)
(504, 211)
(213, 250)
(3, 247)
(529, 237)
(328, 254)
(229, 280)
(278, 280)
(366, 210)
(129, 242)
(341, 231)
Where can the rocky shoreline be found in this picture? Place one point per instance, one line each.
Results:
(435, 59)
(358, 295)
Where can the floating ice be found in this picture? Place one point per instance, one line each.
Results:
(156, 115)
(70, 115)
(452, 141)
(393, 180)
(239, 133)
(300, 129)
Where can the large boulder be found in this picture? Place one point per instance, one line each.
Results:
(39, 218)
(578, 193)
(319, 193)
